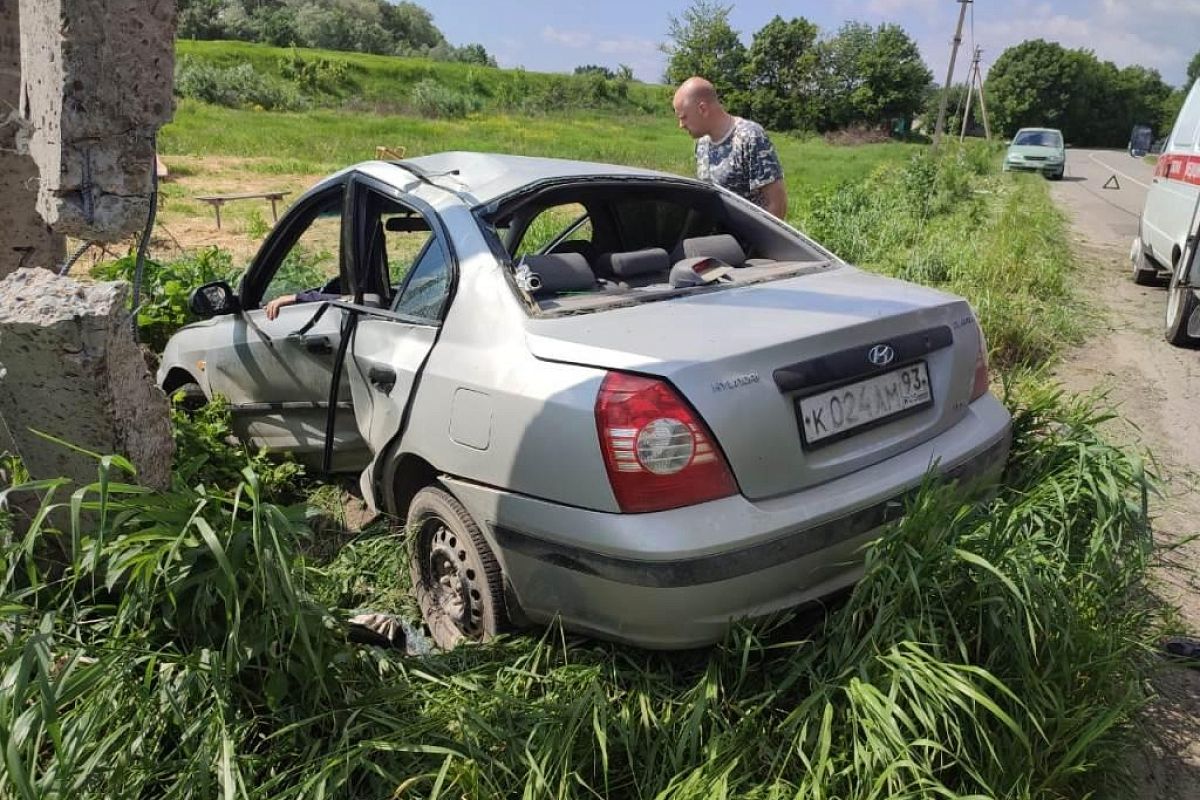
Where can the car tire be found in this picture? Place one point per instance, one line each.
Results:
(193, 398)
(456, 578)
(1144, 273)
(1181, 302)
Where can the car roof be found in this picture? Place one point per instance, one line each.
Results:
(1041, 130)
(487, 176)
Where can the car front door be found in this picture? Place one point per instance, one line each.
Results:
(277, 383)
(400, 243)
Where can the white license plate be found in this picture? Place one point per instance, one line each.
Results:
(840, 411)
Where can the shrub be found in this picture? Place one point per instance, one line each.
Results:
(167, 288)
(432, 99)
(237, 87)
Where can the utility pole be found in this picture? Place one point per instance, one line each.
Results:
(941, 120)
(975, 84)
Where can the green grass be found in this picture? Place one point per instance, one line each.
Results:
(324, 140)
(177, 645)
(958, 224)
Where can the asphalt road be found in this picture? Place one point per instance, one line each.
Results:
(1109, 214)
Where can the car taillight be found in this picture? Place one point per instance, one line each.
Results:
(980, 387)
(657, 451)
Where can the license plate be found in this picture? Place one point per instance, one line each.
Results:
(838, 412)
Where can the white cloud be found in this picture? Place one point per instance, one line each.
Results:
(567, 38)
(894, 8)
(627, 45)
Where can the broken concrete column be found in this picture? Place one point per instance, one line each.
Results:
(25, 238)
(97, 77)
(71, 369)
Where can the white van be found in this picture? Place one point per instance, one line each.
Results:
(1171, 201)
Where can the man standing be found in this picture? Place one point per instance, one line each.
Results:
(730, 151)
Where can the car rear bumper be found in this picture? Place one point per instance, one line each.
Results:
(677, 578)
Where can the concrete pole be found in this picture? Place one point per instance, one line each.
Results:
(971, 76)
(25, 238)
(987, 128)
(941, 120)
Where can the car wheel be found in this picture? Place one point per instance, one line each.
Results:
(1144, 273)
(1181, 302)
(455, 576)
(192, 398)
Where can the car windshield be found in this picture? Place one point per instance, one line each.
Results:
(597, 244)
(1039, 138)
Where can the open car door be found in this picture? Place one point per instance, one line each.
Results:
(277, 383)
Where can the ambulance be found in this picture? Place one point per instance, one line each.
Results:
(1171, 201)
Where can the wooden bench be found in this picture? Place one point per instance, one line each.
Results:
(218, 200)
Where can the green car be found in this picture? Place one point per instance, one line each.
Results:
(1037, 150)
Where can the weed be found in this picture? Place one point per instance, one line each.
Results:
(256, 226)
(182, 647)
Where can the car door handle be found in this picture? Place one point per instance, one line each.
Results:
(382, 378)
(318, 345)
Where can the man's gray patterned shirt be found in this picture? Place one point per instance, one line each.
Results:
(744, 161)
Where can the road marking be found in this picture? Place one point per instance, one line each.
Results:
(1092, 156)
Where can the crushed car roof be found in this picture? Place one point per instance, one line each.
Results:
(486, 176)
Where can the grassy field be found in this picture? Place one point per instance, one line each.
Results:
(191, 644)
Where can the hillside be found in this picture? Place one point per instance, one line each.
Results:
(255, 75)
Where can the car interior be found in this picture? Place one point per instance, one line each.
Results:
(593, 244)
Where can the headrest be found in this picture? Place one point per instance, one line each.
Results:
(406, 224)
(698, 272)
(632, 263)
(721, 246)
(561, 272)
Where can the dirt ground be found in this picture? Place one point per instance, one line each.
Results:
(1156, 388)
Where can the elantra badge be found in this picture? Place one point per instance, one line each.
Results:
(881, 355)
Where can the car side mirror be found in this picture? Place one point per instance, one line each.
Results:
(214, 299)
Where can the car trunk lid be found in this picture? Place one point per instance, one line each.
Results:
(744, 357)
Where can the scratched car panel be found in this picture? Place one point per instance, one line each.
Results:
(545, 341)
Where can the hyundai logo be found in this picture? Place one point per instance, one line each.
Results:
(881, 355)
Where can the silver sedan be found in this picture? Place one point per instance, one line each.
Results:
(618, 398)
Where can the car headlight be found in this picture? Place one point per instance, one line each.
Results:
(1015, 157)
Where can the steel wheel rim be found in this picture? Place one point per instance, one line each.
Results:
(452, 581)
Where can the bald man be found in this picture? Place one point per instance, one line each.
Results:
(730, 151)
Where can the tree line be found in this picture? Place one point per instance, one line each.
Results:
(793, 77)
(364, 26)
(1043, 84)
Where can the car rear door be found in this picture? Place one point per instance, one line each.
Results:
(399, 241)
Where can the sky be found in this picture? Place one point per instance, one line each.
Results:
(553, 36)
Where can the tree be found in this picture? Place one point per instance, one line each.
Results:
(871, 76)
(1193, 70)
(1031, 85)
(595, 69)
(411, 25)
(1038, 83)
(893, 78)
(781, 74)
(703, 43)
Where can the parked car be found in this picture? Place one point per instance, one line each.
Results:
(1156, 252)
(1037, 150)
(1141, 139)
(620, 398)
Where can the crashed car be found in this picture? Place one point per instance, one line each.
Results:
(618, 398)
